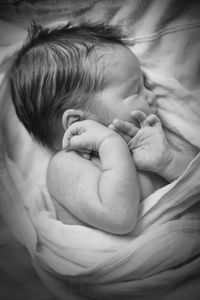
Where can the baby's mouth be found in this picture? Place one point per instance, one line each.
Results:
(153, 104)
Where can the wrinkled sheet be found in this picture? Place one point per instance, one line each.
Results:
(161, 258)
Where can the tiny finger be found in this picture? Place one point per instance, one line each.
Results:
(112, 127)
(139, 116)
(123, 135)
(133, 142)
(152, 120)
(125, 127)
(85, 155)
(65, 141)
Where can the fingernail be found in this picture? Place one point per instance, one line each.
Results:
(111, 126)
(134, 112)
(115, 120)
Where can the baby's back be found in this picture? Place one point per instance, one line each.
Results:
(149, 183)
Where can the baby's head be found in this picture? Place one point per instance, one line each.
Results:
(65, 74)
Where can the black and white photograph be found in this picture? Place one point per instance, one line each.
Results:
(99, 150)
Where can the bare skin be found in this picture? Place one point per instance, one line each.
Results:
(112, 158)
(106, 188)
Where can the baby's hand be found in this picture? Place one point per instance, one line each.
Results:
(86, 136)
(146, 140)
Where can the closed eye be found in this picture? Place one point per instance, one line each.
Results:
(142, 83)
(133, 87)
(144, 79)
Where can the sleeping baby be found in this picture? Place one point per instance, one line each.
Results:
(80, 92)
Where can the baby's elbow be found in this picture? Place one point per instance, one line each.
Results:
(125, 227)
(123, 224)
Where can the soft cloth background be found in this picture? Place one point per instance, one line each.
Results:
(165, 36)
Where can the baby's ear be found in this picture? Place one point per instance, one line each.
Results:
(70, 116)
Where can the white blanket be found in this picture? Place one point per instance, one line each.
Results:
(162, 257)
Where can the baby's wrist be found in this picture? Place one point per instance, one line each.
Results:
(112, 138)
(175, 166)
(166, 167)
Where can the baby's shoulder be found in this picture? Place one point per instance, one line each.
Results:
(69, 165)
(62, 159)
(61, 165)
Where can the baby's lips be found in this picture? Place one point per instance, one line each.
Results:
(152, 103)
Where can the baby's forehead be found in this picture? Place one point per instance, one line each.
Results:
(121, 63)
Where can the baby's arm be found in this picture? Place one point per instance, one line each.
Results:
(150, 147)
(106, 197)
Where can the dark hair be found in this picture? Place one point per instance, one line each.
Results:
(56, 69)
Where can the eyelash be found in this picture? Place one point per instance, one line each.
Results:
(142, 83)
(144, 80)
